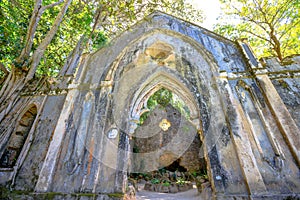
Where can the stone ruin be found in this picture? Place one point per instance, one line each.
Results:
(77, 140)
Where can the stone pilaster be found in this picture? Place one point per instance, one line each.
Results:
(240, 132)
(285, 122)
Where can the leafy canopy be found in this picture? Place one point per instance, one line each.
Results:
(14, 22)
(271, 26)
(96, 20)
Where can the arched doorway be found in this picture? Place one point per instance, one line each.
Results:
(187, 72)
(166, 147)
(17, 140)
(174, 63)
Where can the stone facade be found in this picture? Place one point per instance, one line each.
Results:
(79, 142)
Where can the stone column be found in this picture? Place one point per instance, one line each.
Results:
(285, 122)
(50, 163)
(240, 129)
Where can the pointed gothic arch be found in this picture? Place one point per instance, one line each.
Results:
(162, 79)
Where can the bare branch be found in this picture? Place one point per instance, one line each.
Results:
(259, 36)
(38, 54)
(52, 5)
(35, 18)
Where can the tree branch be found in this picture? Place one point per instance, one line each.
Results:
(261, 10)
(287, 30)
(52, 5)
(35, 18)
(38, 54)
(283, 10)
(256, 35)
(258, 23)
(3, 69)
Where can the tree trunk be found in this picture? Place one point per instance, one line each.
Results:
(17, 78)
(35, 18)
(33, 24)
(276, 43)
(10, 92)
(5, 71)
(39, 52)
(276, 47)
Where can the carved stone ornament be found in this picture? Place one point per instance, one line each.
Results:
(164, 124)
(112, 133)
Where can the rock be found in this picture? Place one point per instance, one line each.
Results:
(166, 175)
(155, 187)
(167, 158)
(183, 187)
(173, 188)
(133, 182)
(159, 50)
(142, 181)
(205, 185)
(199, 181)
(148, 186)
(163, 188)
(206, 191)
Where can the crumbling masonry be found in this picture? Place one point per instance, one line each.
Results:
(76, 139)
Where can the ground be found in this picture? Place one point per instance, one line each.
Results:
(187, 195)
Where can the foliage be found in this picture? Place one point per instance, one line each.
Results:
(180, 106)
(202, 174)
(76, 22)
(14, 17)
(155, 181)
(162, 170)
(143, 117)
(163, 97)
(24, 22)
(271, 26)
(166, 183)
(180, 181)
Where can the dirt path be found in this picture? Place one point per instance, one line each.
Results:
(187, 195)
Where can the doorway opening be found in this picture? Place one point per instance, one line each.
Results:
(17, 140)
(166, 146)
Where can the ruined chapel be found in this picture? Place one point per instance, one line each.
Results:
(82, 138)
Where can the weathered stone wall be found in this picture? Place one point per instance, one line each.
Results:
(106, 93)
(248, 123)
(28, 174)
(287, 83)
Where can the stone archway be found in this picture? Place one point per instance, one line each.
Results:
(166, 146)
(111, 86)
(114, 88)
(189, 73)
(158, 126)
(17, 140)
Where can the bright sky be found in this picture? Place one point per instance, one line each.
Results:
(211, 9)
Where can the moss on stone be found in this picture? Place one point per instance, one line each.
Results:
(116, 195)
